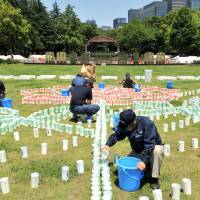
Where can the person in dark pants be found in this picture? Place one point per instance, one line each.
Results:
(144, 140)
(81, 97)
(128, 82)
(2, 92)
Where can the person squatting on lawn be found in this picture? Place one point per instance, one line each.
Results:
(81, 97)
(128, 82)
(2, 91)
(144, 140)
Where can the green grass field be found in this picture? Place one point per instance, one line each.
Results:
(174, 168)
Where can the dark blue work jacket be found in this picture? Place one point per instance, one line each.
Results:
(142, 138)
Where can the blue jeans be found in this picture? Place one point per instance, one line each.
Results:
(89, 109)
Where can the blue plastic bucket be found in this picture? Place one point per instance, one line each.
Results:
(6, 102)
(101, 86)
(129, 175)
(116, 119)
(170, 85)
(65, 93)
(137, 88)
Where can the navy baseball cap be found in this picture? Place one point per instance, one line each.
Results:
(126, 118)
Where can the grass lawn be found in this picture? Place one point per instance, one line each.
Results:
(174, 168)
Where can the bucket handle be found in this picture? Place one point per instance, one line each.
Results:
(136, 179)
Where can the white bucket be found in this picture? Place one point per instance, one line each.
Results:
(181, 146)
(157, 194)
(195, 143)
(44, 148)
(175, 191)
(4, 185)
(24, 151)
(35, 180)
(187, 186)
(80, 166)
(65, 145)
(2, 156)
(89, 121)
(65, 173)
(16, 136)
(74, 141)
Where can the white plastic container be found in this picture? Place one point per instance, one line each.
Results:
(173, 126)
(35, 180)
(44, 148)
(74, 141)
(181, 145)
(195, 143)
(175, 191)
(16, 136)
(157, 194)
(36, 132)
(143, 198)
(65, 145)
(166, 150)
(2, 156)
(4, 182)
(24, 151)
(65, 173)
(165, 128)
(148, 75)
(187, 186)
(80, 166)
(181, 123)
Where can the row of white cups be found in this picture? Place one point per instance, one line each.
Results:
(101, 188)
(44, 148)
(176, 188)
(35, 177)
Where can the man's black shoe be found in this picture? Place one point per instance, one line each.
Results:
(73, 119)
(154, 184)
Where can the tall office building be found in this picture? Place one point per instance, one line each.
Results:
(176, 4)
(195, 4)
(134, 13)
(119, 22)
(156, 8)
(90, 21)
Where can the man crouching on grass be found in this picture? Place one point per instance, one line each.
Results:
(144, 140)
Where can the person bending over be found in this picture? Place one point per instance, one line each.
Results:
(128, 82)
(81, 97)
(144, 140)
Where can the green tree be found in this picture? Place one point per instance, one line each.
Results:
(55, 13)
(14, 29)
(69, 31)
(89, 31)
(183, 32)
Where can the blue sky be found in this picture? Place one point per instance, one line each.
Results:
(103, 11)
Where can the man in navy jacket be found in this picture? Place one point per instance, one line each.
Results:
(144, 140)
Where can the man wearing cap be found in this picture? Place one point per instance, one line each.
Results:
(144, 140)
(81, 96)
(2, 92)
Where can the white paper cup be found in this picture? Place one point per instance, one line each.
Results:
(2, 156)
(175, 191)
(34, 180)
(65, 173)
(24, 151)
(4, 182)
(44, 148)
(80, 166)
(187, 186)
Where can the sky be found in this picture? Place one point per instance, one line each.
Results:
(103, 11)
